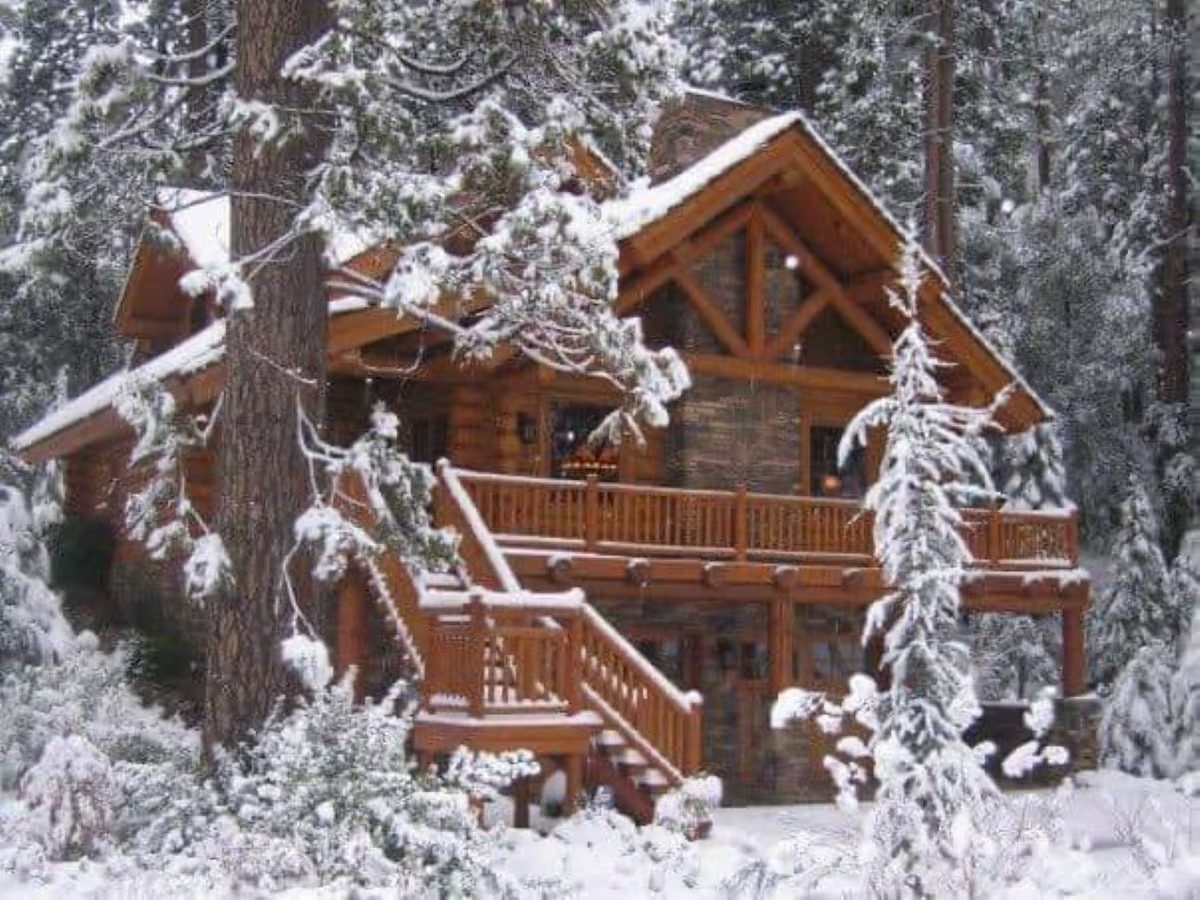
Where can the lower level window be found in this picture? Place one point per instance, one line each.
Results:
(828, 479)
(572, 455)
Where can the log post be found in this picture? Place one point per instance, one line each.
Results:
(591, 512)
(740, 522)
(781, 627)
(1072, 539)
(1074, 672)
(573, 765)
(477, 644)
(353, 627)
(695, 730)
(574, 673)
(521, 792)
(995, 534)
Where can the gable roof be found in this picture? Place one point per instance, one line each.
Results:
(645, 222)
(652, 221)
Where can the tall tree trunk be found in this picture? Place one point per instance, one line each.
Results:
(1171, 309)
(201, 103)
(941, 231)
(1171, 317)
(275, 357)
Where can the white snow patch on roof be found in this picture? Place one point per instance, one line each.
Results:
(201, 350)
(197, 352)
(646, 204)
(201, 221)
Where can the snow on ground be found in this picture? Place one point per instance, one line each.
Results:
(1111, 819)
(1120, 829)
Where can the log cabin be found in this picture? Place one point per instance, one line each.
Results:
(627, 612)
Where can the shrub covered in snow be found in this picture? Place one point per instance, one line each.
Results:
(1135, 731)
(326, 794)
(689, 808)
(71, 795)
(86, 693)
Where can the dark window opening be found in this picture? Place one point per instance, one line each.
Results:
(572, 454)
(827, 478)
(430, 439)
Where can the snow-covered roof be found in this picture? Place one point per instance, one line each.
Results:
(644, 206)
(647, 204)
(201, 221)
(198, 352)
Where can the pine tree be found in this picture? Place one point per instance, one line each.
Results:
(1137, 609)
(1036, 476)
(463, 159)
(1185, 693)
(1015, 656)
(1136, 732)
(58, 315)
(931, 783)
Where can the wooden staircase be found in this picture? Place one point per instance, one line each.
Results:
(504, 668)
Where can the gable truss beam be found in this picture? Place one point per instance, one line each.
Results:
(711, 313)
(638, 289)
(830, 290)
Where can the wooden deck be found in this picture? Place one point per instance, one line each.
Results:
(650, 521)
(506, 666)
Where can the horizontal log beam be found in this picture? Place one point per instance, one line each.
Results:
(812, 377)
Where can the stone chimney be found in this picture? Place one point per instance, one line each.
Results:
(693, 126)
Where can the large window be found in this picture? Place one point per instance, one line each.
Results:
(827, 479)
(430, 438)
(572, 455)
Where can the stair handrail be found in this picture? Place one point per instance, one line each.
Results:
(483, 555)
(458, 508)
(398, 589)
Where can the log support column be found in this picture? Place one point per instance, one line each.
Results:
(573, 765)
(781, 639)
(1074, 672)
(353, 627)
(521, 796)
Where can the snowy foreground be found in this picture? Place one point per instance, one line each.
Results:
(1130, 838)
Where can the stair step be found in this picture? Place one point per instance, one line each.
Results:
(652, 782)
(611, 740)
(656, 777)
(443, 581)
(629, 757)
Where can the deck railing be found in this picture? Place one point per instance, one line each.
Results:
(503, 655)
(649, 520)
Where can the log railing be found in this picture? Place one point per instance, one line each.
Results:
(655, 717)
(650, 520)
(502, 655)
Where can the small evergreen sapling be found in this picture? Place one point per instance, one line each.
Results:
(931, 783)
(1136, 734)
(1137, 609)
(1185, 696)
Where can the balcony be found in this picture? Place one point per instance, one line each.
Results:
(651, 521)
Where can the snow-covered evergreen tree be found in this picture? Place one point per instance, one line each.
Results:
(1013, 657)
(1036, 476)
(57, 313)
(32, 626)
(931, 783)
(1185, 700)
(1136, 732)
(1137, 609)
(1016, 656)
